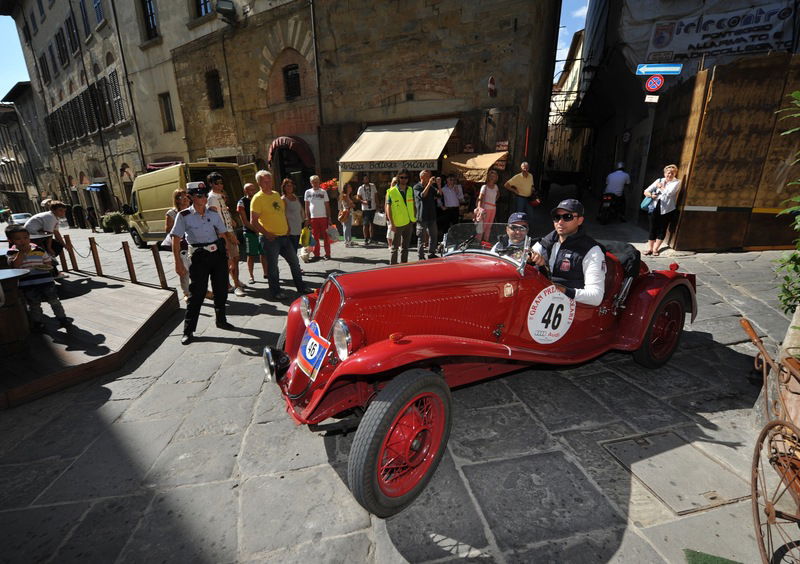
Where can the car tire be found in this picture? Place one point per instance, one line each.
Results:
(281, 343)
(137, 239)
(388, 466)
(664, 332)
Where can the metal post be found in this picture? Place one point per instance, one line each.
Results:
(93, 247)
(71, 252)
(159, 268)
(129, 260)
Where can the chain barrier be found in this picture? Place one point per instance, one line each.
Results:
(106, 250)
(88, 253)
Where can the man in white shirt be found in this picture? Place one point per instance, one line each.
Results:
(452, 198)
(218, 203)
(616, 182)
(46, 223)
(577, 262)
(318, 211)
(367, 195)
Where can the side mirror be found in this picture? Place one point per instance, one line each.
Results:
(127, 210)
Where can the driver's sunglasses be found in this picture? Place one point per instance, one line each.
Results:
(518, 227)
(402, 178)
(565, 216)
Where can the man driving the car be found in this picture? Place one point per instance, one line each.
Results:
(576, 261)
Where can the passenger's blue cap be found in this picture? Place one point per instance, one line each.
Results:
(518, 216)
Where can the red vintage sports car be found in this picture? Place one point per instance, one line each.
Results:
(380, 349)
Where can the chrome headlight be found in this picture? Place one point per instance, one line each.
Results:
(305, 310)
(342, 339)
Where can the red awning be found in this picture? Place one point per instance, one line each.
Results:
(295, 144)
(160, 165)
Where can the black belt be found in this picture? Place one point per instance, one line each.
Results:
(201, 245)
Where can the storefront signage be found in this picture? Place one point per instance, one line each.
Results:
(751, 30)
(387, 165)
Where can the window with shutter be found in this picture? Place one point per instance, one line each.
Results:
(61, 45)
(72, 34)
(98, 10)
(87, 30)
(33, 22)
(44, 68)
(117, 107)
(53, 58)
(149, 16)
(89, 111)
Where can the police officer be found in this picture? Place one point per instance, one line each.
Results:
(203, 229)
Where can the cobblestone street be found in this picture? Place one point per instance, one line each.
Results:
(186, 454)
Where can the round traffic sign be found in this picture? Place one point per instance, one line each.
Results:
(654, 82)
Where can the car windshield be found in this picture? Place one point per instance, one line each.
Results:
(21, 215)
(511, 244)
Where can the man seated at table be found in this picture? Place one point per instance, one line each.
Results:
(36, 286)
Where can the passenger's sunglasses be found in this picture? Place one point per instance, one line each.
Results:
(565, 216)
(518, 227)
(402, 178)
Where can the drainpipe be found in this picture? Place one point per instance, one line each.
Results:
(319, 86)
(127, 84)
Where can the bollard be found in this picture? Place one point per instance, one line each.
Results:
(93, 247)
(71, 252)
(129, 260)
(62, 260)
(159, 268)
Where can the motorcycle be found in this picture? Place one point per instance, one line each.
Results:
(610, 208)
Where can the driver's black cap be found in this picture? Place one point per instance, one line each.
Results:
(518, 216)
(571, 205)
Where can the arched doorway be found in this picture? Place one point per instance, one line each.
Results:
(291, 157)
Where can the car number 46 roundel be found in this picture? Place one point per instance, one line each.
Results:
(550, 316)
(312, 351)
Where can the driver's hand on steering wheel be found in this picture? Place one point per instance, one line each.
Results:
(536, 258)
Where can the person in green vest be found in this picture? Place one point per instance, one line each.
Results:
(401, 216)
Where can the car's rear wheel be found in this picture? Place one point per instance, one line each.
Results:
(137, 239)
(664, 332)
(399, 442)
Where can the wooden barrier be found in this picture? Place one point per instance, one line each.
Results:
(71, 251)
(93, 247)
(129, 260)
(160, 269)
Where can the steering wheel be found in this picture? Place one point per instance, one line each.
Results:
(466, 242)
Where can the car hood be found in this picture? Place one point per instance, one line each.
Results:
(454, 270)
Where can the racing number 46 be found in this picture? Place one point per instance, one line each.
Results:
(553, 315)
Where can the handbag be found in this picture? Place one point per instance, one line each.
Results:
(646, 202)
(333, 234)
(344, 215)
(380, 219)
(305, 237)
(358, 217)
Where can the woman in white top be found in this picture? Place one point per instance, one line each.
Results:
(664, 193)
(180, 201)
(346, 214)
(295, 215)
(487, 201)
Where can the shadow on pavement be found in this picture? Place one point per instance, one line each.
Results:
(530, 470)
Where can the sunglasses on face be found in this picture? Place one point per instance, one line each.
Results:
(563, 216)
(518, 227)
(402, 177)
(200, 196)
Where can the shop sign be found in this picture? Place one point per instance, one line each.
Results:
(501, 146)
(388, 165)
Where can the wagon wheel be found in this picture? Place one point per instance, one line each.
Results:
(399, 442)
(775, 491)
(664, 331)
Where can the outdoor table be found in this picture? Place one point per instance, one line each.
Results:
(13, 319)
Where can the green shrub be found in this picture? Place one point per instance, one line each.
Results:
(789, 264)
(113, 221)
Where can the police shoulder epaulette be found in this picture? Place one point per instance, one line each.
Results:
(187, 211)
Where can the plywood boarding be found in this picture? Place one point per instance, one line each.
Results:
(739, 118)
(778, 169)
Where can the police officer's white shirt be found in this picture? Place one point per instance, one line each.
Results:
(198, 229)
(594, 273)
(616, 181)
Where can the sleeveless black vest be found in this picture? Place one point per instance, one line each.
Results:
(568, 265)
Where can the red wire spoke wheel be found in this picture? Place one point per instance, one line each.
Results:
(399, 442)
(664, 331)
(775, 492)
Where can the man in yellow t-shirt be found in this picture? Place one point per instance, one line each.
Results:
(521, 185)
(268, 216)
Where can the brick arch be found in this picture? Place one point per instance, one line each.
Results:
(275, 82)
(292, 33)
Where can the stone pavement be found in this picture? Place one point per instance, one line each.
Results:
(187, 455)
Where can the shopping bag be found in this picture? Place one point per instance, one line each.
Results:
(305, 237)
(380, 219)
(333, 234)
(646, 202)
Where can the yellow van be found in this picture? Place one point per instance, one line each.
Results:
(151, 195)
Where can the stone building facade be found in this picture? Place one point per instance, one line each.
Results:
(74, 59)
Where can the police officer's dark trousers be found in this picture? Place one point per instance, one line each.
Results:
(205, 265)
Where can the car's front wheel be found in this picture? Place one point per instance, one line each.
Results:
(137, 239)
(664, 332)
(399, 442)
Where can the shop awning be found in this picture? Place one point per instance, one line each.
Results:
(470, 166)
(95, 187)
(414, 146)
